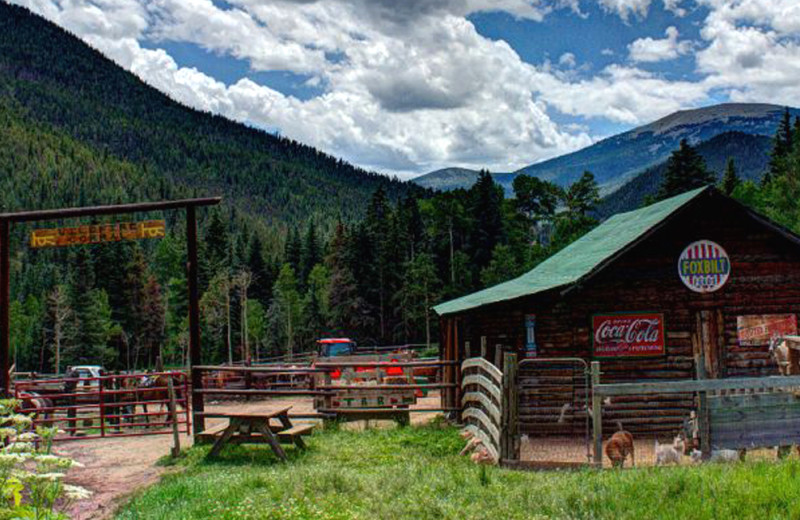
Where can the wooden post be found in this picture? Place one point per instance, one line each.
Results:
(327, 400)
(467, 350)
(195, 355)
(509, 427)
(498, 356)
(483, 347)
(698, 344)
(173, 413)
(597, 416)
(5, 302)
(702, 413)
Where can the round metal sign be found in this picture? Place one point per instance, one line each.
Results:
(704, 266)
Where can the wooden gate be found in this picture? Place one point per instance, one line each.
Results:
(482, 402)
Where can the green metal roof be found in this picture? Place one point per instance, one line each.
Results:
(580, 258)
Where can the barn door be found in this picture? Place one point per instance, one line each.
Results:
(708, 341)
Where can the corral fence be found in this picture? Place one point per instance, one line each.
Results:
(550, 413)
(124, 405)
(340, 390)
(735, 413)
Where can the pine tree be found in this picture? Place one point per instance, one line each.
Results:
(781, 148)
(310, 254)
(349, 312)
(293, 250)
(535, 198)
(263, 274)
(152, 328)
(217, 243)
(686, 170)
(583, 195)
(486, 199)
(380, 272)
(730, 179)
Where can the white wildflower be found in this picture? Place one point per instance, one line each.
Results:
(48, 477)
(55, 460)
(76, 492)
(19, 447)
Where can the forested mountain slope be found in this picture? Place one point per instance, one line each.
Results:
(749, 152)
(50, 78)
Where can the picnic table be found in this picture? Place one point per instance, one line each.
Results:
(256, 428)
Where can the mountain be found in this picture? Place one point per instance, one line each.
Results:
(620, 158)
(749, 152)
(447, 179)
(75, 108)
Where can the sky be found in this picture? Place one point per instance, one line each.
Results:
(404, 87)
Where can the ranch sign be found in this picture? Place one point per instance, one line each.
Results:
(628, 335)
(704, 266)
(757, 330)
(97, 234)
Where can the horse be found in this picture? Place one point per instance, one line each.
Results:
(148, 388)
(32, 402)
(787, 360)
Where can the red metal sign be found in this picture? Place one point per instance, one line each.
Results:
(757, 330)
(628, 335)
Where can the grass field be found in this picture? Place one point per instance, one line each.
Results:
(416, 473)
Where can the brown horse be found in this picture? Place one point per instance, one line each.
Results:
(146, 389)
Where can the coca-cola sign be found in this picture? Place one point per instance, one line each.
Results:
(628, 335)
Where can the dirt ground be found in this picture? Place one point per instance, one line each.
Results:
(574, 450)
(116, 467)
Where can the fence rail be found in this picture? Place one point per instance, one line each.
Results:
(107, 406)
(483, 412)
(735, 413)
(361, 389)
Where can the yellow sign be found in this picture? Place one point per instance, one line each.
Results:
(97, 234)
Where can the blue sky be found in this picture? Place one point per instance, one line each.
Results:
(405, 88)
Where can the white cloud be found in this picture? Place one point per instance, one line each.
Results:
(752, 49)
(567, 60)
(626, 8)
(649, 50)
(675, 7)
(412, 86)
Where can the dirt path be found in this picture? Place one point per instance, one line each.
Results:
(116, 467)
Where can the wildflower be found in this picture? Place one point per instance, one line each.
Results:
(19, 447)
(44, 477)
(55, 460)
(76, 492)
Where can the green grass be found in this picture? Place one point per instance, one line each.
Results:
(416, 473)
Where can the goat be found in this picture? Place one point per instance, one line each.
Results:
(669, 453)
(718, 456)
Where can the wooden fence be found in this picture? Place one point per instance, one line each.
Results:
(736, 413)
(325, 382)
(482, 402)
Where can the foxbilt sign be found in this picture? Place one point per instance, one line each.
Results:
(628, 335)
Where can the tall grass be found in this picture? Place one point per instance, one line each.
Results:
(416, 473)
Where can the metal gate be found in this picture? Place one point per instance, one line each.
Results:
(554, 403)
(107, 406)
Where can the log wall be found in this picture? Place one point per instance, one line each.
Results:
(764, 279)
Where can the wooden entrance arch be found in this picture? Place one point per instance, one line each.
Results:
(190, 205)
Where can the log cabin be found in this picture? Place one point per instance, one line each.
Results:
(692, 286)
